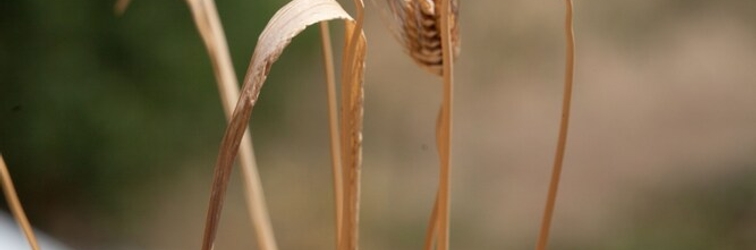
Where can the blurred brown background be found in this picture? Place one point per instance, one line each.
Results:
(110, 127)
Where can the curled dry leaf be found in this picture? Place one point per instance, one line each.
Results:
(289, 21)
(205, 16)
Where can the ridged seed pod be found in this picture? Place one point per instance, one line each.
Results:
(419, 31)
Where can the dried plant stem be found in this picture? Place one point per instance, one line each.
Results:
(445, 127)
(352, 100)
(351, 126)
(210, 28)
(556, 172)
(15, 205)
(432, 229)
(430, 233)
(333, 125)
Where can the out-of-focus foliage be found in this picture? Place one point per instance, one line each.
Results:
(711, 214)
(93, 106)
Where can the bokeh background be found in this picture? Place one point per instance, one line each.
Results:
(110, 126)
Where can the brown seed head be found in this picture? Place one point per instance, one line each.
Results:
(421, 34)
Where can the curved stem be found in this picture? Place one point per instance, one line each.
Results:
(349, 233)
(333, 125)
(430, 232)
(445, 140)
(543, 236)
(15, 205)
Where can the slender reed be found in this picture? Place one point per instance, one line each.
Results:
(445, 139)
(429, 32)
(333, 125)
(351, 127)
(15, 205)
(430, 232)
(543, 236)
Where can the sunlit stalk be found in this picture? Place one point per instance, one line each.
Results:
(349, 236)
(543, 235)
(333, 125)
(445, 140)
(430, 232)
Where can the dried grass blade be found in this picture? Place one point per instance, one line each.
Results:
(208, 24)
(15, 205)
(352, 97)
(445, 127)
(333, 125)
(543, 235)
(289, 21)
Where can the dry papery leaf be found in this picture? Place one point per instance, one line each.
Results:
(205, 16)
(289, 21)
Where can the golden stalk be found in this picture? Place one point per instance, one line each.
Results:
(430, 232)
(351, 127)
(445, 139)
(543, 236)
(211, 30)
(15, 205)
(430, 36)
(333, 125)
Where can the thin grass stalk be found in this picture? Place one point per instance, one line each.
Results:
(346, 172)
(430, 232)
(350, 134)
(333, 125)
(543, 236)
(350, 203)
(211, 30)
(445, 140)
(15, 205)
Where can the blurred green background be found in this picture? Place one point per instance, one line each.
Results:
(110, 126)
